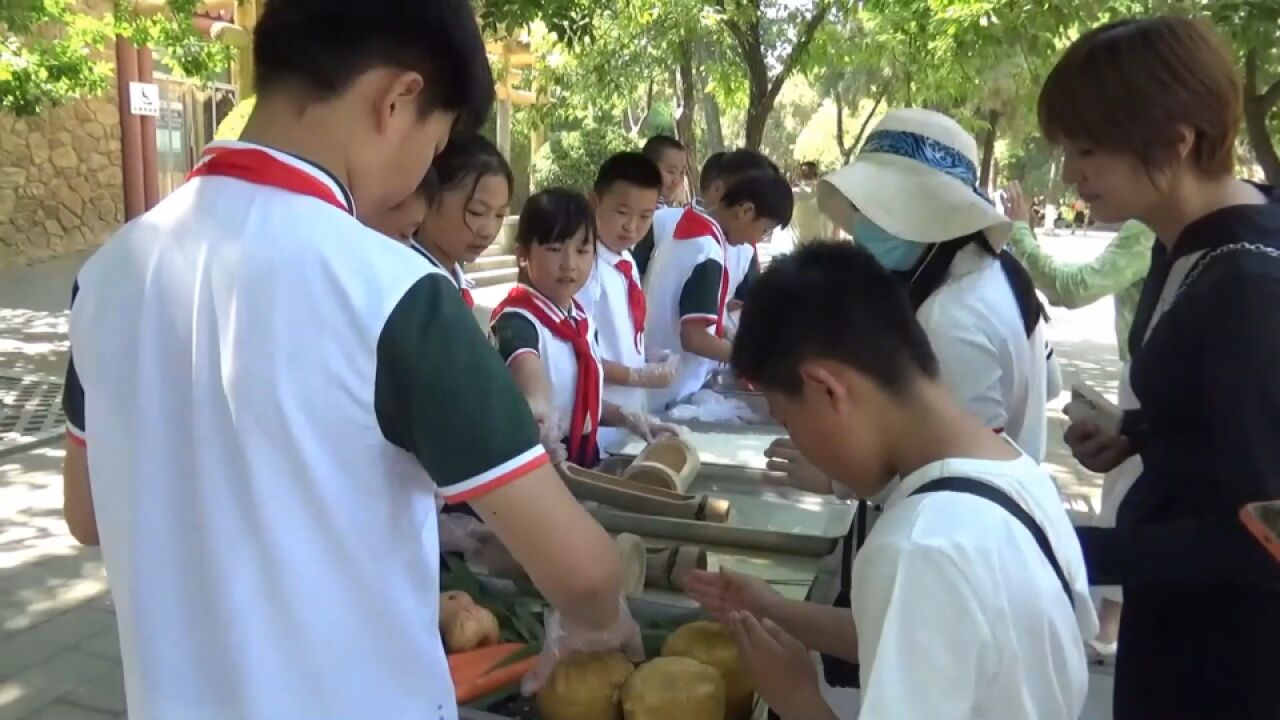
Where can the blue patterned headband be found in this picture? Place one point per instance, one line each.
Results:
(926, 151)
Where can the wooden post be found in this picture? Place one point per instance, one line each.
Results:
(504, 112)
(246, 16)
(135, 199)
(147, 124)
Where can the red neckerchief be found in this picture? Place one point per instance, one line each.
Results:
(262, 168)
(635, 301)
(467, 298)
(586, 400)
(695, 224)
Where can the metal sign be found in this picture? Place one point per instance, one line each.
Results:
(144, 99)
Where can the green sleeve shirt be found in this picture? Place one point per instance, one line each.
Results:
(514, 333)
(443, 394)
(700, 296)
(1119, 270)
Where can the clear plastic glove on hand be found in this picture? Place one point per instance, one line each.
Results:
(658, 374)
(550, 432)
(645, 426)
(462, 533)
(563, 639)
(792, 469)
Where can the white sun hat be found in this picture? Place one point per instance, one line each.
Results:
(916, 176)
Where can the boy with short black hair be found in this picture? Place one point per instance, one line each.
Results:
(970, 598)
(623, 199)
(689, 284)
(267, 459)
(672, 159)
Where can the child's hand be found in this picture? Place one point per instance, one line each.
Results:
(792, 469)
(781, 667)
(724, 592)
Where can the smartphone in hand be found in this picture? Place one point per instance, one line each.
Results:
(1263, 520)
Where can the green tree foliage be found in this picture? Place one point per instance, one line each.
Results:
(52, 51)
(572, 158)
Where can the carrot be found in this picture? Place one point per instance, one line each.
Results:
(489, 682)
(472, 664)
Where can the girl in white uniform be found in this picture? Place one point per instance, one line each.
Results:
(547, 339)
(468, 197)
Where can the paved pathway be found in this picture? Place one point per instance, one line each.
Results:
(59, 655)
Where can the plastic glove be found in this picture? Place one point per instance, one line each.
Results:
(462, 533)
(792, 469)
(563, 638)
(549, 431)
(656, 375)
(645, 426)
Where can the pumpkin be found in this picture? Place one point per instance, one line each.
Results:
(585, 686)
(673, 687)
(711, 643)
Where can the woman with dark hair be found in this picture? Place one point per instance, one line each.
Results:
(1147, 112)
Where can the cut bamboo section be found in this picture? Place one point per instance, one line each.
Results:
(643, 499)
(668, 463)
(667, 566)
(634, 563)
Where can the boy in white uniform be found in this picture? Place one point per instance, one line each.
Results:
(970, 598)
(262, 466)
(688, 283)
(625, 193)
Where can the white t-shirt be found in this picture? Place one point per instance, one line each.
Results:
(687, 281)
(261, 381)
(996, 372)
(606, 300)
(959, 614)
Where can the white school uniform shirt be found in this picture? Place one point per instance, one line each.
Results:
(671, 267)
(996, 372)
(606, 300)
(740, 257)
(959, 614)
(559, 361)
(257, 455)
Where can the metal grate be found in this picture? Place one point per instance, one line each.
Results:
(30, 411)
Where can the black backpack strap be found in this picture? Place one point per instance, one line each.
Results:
(987, 491)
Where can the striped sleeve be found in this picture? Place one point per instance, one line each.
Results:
(515, 335)
(444, 395)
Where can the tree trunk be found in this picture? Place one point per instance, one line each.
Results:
(757, 118)
(866, 124)
(763, 89)
(988, 150)
(711, 114)
(845, 151)
(684, 117)
(1258, 104)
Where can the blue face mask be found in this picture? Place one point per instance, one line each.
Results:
(892, 252)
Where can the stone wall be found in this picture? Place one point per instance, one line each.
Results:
(60, 180)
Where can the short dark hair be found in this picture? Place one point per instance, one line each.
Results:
(553, 216)
(469, 157)
(710, 171)
(769, 192)
(809, 170)
(655, 146)
(829, 300)
(1127, 86)
(632, 168)
(320, 47)
(743, 161)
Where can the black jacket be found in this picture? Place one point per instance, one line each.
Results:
(1200, 634)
